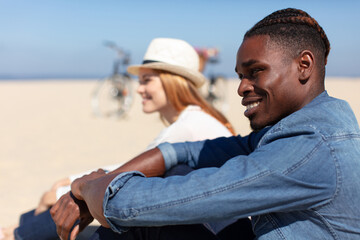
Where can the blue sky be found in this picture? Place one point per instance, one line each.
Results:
(64, 38)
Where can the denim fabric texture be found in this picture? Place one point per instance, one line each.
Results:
(299, 179)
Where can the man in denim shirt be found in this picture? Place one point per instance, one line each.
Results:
(297, 175)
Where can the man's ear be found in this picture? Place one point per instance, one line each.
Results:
(306, 65)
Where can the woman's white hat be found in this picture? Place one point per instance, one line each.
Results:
(172, 55)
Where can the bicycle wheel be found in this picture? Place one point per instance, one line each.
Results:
(113, 96)
(216, 94)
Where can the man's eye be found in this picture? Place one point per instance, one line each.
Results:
(256, 70)
(241, 76)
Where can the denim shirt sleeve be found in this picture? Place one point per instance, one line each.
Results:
(209, 153)
(281, 175)
(111, 191)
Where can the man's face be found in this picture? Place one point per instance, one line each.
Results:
(270, 85)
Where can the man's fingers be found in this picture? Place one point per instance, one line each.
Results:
(74, 232)
(100, 170)
(60, 218)
(65, 213)
(54, 209)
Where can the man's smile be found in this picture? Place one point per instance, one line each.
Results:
(252, 105)
(251, 108)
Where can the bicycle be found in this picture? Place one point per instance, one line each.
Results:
(215, 89)
(113, 95)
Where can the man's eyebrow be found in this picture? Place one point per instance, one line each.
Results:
(247, 64)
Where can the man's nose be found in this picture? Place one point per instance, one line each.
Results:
(245, 86)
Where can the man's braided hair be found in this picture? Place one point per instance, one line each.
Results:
(294, 30)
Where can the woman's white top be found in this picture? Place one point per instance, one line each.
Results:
(193, 124)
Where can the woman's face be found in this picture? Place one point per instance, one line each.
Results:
(152, 92)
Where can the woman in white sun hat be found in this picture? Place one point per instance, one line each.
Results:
(172, 66)
(169, 79)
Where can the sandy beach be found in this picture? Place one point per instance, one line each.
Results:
(48, 132)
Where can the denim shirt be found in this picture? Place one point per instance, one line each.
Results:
(299, 179)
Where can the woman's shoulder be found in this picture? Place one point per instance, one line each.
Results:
(193, 112)
(193, 115)
(195, 120)
(193, 124)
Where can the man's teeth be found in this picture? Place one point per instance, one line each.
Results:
(252, 105)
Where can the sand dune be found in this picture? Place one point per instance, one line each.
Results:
(48, 132)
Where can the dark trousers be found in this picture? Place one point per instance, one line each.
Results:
(36, 227)
(240, 230)
(42, 227)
